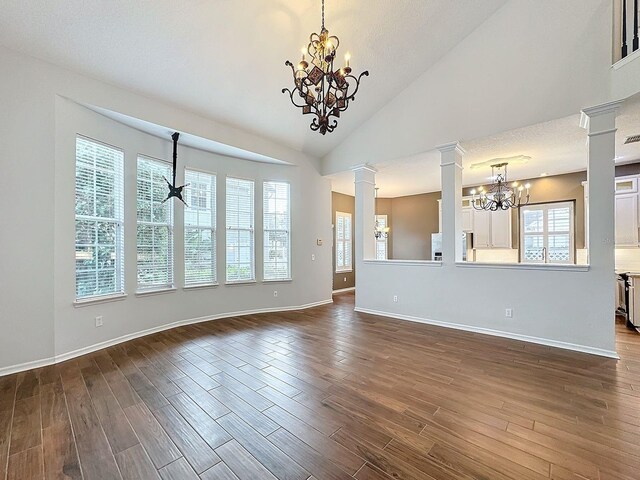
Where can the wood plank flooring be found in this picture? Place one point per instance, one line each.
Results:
(322, 394)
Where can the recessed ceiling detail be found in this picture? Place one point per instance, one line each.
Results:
(515, 160)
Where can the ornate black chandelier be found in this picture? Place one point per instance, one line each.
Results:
(500, 196)
(319, 89)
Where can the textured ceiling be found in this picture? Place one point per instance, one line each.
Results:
(555, 147)
(224, 59)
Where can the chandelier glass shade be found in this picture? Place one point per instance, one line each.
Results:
(500, 195)
(319, 88)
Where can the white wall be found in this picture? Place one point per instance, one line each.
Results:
(530, 62)
(38, 125)
(548, 306)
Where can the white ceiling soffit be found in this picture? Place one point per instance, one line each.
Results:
(224, 59)
(186, 139)
(554, 147)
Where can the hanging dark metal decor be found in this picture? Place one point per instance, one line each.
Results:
(499, 195)
(173, 190)
(319, 89)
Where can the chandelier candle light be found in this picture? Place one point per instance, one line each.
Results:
(320, 90)
(500, 196)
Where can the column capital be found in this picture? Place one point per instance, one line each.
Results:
(364, 166)
(589, 113)
(448, 147)
(364, 173)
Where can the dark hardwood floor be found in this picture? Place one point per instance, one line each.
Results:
(325, 394)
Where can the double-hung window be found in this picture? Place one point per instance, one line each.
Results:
(547, 233)
(99, 219)
(200, 228)
(276, 224)
(155, 226)
(240, 231)
(343, 242)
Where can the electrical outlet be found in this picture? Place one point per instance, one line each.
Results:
(99, 321)
(275, 293)
(313, 256)
(345, 279)
(395, 298)
(508, 312)
(319, 242)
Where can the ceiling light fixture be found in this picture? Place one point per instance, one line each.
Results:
(321, 90)
(500, 196)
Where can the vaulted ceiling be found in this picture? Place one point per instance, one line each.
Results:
(224, 59)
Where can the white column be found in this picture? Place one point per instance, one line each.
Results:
(600, 122)
(365, 179)
(451, 173)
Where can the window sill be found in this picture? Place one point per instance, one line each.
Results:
(159, 291)
(345, 271)
(425, 263)
(85, 302)
(278, 280)
(241, 282)
(201, 286)
(526, 266)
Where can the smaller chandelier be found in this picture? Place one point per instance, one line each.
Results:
(320, 90)
(500, 195)
(380, 231)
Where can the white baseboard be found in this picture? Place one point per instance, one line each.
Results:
(497, 333)
(142, 333)
(342, 290)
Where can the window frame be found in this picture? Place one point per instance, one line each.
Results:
(545, 234)
(117, 220)
(213, 229)
(170, 285)
(384, 239)
(251, 230)
(349, 243)
(287, 231)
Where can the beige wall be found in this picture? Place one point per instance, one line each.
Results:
(346, 204)
(415, 218)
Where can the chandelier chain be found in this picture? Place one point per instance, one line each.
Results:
(323, 14)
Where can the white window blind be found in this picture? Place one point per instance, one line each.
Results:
(155, 226)
(240, 233)
(200, 228)
(547, 233)
(99, 219)
(343, 242)
(382, 242)
(276, 224)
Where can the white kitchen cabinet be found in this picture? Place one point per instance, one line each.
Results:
(467, 215)
(492, 229)
(481, 229)
(501, 229)
(627, 220)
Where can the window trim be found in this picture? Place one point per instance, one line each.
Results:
(344, 269)
(252, 230)
(383, 239)
(545, 234)
(158, 288)
(214, 232)
(264, 230)
(119, 293)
